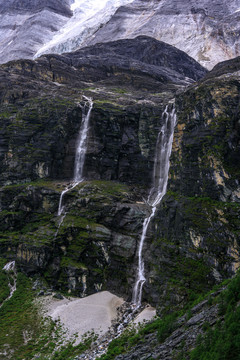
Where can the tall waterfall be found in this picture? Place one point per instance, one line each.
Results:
(82, 142)
(80, 153)
(158, 190)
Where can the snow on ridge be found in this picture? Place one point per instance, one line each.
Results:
(88, 16)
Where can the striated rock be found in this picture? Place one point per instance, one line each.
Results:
(207, 31)
(26, 25)
(182, 339)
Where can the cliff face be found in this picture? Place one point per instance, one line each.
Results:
(196, 231)
(193, 241)
(41, 112)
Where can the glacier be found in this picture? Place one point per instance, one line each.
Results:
(88, 17)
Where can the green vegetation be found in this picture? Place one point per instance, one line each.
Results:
(24, 333)
(107, 104)
(133, 336)
(222, 342)
(119, 90)
(4, 289)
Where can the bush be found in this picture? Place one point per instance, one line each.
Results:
(223, 341)
(166, 326)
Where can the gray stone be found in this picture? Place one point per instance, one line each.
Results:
(58, 296)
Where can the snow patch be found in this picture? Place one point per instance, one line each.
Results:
(88, 17)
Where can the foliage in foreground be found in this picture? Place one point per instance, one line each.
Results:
(223, 341)
(164, 327)
(24, 333)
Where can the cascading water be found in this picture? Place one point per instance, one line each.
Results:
(82, 143)
(79, 154)
(11, 269)
(158, 190)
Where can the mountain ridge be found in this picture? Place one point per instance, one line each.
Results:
(209, 33)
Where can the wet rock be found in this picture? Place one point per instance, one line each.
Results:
(41, 293)
(58, 296)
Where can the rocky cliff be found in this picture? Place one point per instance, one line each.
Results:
(195, 234)
(196, 231)
(40, 120)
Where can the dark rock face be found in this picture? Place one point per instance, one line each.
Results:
(225, 67)
(97, 236)
(38, 141)
(139, 52)
(196, 230)
(193, 241)
(38, 134)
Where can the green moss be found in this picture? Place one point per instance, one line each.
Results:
(40, 183)
(4, 279)
(106, 104)
(119, 90)
(69, 262)
(102, 191)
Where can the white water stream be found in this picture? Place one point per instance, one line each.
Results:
(11, 269)
(158, 190)
(80, 154)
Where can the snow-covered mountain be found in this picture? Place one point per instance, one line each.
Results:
(209, 31)
(26, 24)
(88, 17)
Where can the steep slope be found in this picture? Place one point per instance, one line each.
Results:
(196, 223)
(88, 17)
(192, 242)
(41, 113)
(166, 70)
(26, 25)
(207, 31)
(209, 329)
(201, 209)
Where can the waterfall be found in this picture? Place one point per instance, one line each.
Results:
(82, 143)
(158, 190)
(11, 268)
(80, 153)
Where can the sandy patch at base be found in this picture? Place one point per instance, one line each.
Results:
(146, 315)
(94, 312)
